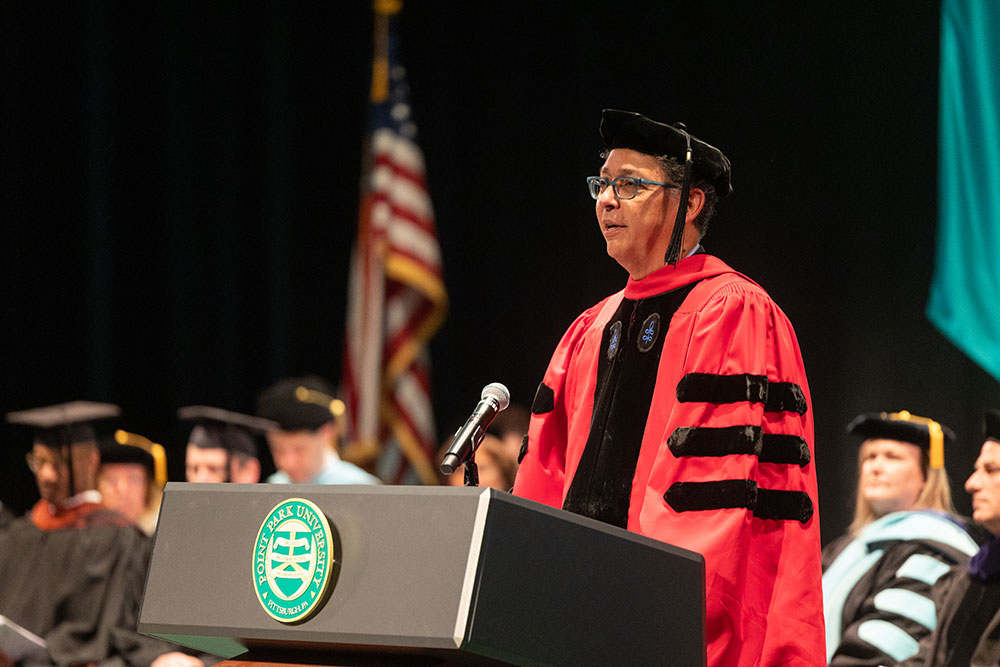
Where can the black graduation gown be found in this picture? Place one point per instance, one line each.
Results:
(79, 588)
(861, 604)
(968, 631)
(6, 516)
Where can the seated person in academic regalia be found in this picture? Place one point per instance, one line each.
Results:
(304, 446)
(882, 581)
(222, 445)
(968, 624)
(73, 569)
(131, 479)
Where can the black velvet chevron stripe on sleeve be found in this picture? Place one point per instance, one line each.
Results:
(726, 441)
(724, 494)
(545, 400)
(770, 504)
(524, 449)
(706, 441)
(785, 397)
(782, 448)
(712, 388)
(783, 505)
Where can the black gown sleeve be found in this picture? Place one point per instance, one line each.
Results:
(894, 606)
(968, 630)
(79, 589)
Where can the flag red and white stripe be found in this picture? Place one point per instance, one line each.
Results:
(397, 299)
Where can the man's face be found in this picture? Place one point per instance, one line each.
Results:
(51, 474)
(891, 475)
(124, 487)
(244, 469)
(298, 453)
(637, 230)
(984, 485)
(206, 464)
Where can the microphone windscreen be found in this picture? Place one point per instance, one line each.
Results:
(498, 393)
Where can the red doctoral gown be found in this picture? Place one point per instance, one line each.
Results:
(678, 408)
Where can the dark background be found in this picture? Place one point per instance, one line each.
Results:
(179, 187)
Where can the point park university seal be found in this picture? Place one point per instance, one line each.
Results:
(292, 560)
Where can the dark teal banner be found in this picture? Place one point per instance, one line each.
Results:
(964, 298)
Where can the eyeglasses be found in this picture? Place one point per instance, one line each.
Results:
(625, 187)
(36, 463)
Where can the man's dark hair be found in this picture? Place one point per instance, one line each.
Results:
(242, 458)
(675, 174)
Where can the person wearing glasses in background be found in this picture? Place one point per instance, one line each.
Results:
(678, 408)
(73, 569)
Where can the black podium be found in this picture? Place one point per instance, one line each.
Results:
(419, 576)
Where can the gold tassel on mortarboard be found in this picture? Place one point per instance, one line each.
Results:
(936, 453)
(155, 450)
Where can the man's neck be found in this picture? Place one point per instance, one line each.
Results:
(88, 496)
(697, 246)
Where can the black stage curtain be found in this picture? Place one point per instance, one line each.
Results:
(179, 191)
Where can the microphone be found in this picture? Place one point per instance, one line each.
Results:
(495, 398)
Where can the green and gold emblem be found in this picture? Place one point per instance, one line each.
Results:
(292, 560)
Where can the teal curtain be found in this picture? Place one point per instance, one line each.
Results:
(964, 298)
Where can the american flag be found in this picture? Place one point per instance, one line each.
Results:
(396, 299)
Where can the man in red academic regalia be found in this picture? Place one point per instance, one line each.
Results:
(678, 408)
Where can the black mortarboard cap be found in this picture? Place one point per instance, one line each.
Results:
(65, 423)
(921, 431)
(299, 403)
(991, 424)
(232, 431)
(127, 447)
(113, 452)
(628, 129)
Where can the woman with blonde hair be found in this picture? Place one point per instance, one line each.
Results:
(905, 537)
